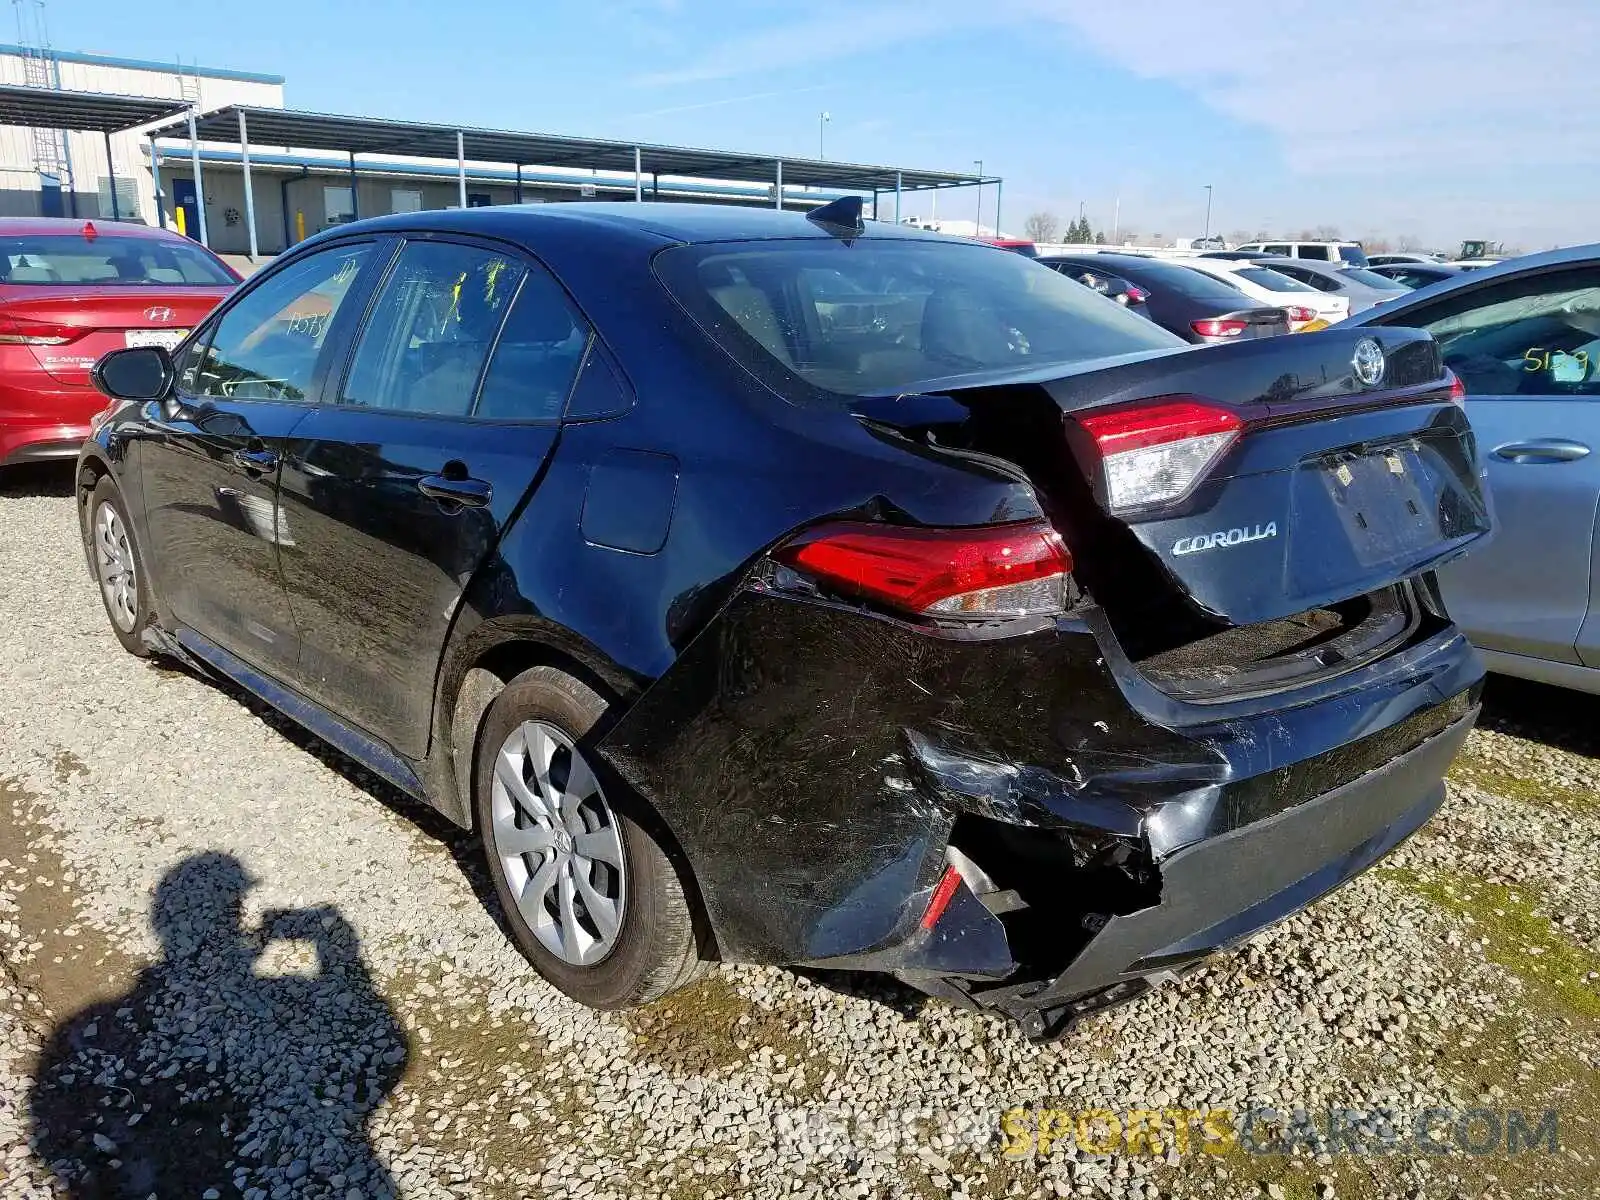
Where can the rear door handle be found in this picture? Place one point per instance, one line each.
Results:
(468, 493)
(258, 461)
(1542, 450)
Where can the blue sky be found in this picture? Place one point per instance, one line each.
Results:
(1436, 118)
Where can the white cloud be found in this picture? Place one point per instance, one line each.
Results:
(1373, 85)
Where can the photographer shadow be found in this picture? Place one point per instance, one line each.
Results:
(210, 1072)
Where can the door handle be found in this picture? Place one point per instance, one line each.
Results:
(466, 493)
(256, 461)
(1541, 450)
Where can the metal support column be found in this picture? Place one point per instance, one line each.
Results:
(777, 190)
(155, 175)
(519, 183)
(355, 203)
(655, 185)
(199, 186)
(998, 185)
(899, 191)
(249, 193)
(638, 176)
(111, 177)
(461, 167)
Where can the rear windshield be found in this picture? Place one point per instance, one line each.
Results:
(1353, 255)
(1369, 278)
(1272, 280)
(1184, 281)
(883, 317)
(109, 259)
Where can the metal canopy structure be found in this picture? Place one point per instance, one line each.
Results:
(354, 135)
(96, 112)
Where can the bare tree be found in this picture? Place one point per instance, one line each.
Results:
(1327, 233)
(1237, 237)
(1042, 226)
(1408, 241)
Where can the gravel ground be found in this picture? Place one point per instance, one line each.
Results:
(234, 963)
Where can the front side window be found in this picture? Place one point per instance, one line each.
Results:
(1534, 336)
(267, 345)
(874, 317)
(431, 329)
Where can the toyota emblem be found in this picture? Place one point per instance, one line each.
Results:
(1368, 362)
(159, 313)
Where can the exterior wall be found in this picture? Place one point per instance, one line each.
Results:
(86, 152)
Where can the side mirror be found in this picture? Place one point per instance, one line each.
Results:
(137, 373)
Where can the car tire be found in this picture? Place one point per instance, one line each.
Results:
(590, 896)
(117, 566)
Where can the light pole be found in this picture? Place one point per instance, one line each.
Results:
(822, 121)
(1206, 236)
(978, 224)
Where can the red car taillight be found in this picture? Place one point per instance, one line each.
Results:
(989, 571)
(1155, 451)
(19, 331)
(1218, 327)
(1137, 295)
(1300, 314)
(1458, 390)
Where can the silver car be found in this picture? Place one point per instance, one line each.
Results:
(1524, 337)
(1362, 288)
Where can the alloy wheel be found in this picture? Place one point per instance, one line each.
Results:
(115, 565)
(557, 844)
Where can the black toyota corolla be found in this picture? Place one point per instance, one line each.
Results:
(781, 588)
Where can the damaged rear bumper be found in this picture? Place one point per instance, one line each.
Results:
(821, 771)
(1215, 893)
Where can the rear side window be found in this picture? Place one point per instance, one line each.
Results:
(1311, 278)
(267, 345)
(431, 329)
(1534, 336)
(1368, 278)
(1319, 253)
(1282, 248)
(1353, 255)
(107, 259)
(876, 317)
(537, 356)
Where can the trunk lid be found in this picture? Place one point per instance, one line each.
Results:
(1330, 487)
(69, 332)
(1255, 323)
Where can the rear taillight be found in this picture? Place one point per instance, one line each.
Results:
(19, 331)
(1137, 295)
(1300, 314)
(1458, 390)
(1156, 451)
(985, 572)
(1219, 327)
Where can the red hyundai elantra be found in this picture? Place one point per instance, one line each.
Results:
(71, 290)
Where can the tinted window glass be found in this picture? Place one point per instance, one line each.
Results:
(1369, 278)
(1278, 248)
(1183, 281)
(1320, 283)
(1273, 280)
(109, 259)
(431, 330)
(1353, 255)
(1538, 335)
(266, 346)
(893, 315)
(1310, 251)
(537, 356)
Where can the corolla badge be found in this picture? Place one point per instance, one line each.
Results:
(1224, 538)
(1368, 362)
(159, 313)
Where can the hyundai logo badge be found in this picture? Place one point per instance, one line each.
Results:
(159, 313)
(1368, 362)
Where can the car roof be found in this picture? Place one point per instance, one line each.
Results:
(1506, 269)
(648, 221)
(75, 227)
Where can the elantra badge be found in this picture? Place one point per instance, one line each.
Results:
(1225, 538)
(159, 313)
(1368, 362)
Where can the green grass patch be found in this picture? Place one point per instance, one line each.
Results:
(1502, 779)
